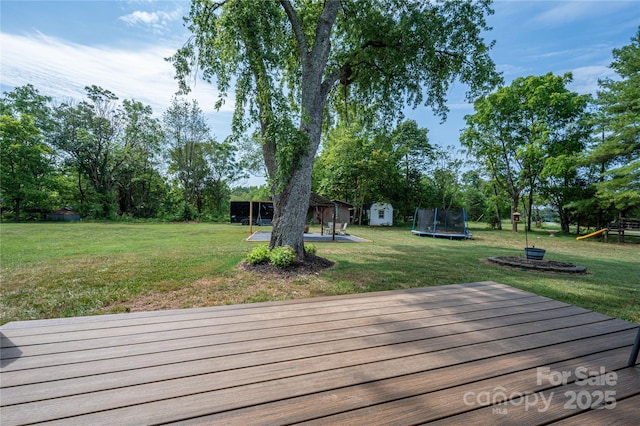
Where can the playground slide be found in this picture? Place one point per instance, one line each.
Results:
(593, 234)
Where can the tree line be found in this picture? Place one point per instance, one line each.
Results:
(538, 143)
(533, 146)
(107, 158)
(299, 69)
(292, 64)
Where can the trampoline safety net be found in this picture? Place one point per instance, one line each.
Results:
(440, 221)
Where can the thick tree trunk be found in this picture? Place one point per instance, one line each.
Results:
(530, 210)
(497, 208)
(16, 209)
(564, 220)
(292, 200)
(290, 211)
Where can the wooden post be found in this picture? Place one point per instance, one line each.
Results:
(620, 228)
(250, 217)
(335, 218)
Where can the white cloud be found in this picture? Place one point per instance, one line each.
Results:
(511, 70)
(571, 11)
(158, 20)
(141, 17)
(585, 79)
(62, 69)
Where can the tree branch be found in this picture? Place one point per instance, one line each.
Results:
(453, 55)
(322, 42)
(345, 72)
(303, 47)
(332, 78)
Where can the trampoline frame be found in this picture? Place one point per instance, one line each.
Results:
(441, 234)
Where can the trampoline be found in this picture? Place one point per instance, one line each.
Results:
(440, 223)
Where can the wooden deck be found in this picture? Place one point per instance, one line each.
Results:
(448, 355)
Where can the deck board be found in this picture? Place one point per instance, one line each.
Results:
(246, 319)
(169, 340)
(398, 357)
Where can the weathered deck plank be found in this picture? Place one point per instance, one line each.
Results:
(171, 340)
(196, 362)
(207, 347)
(625, 412)
(386, 399)
(245, 320)
(400, 357)
(175, 316)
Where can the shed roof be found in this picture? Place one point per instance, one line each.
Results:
(317, 200)
(344, 203)
(64, 211)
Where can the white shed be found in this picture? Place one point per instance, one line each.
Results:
(381, 214)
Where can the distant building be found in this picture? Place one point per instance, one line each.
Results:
(380, 214)
(262, 212)
(65, 214)
(326, 215)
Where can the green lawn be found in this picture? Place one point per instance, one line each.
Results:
(69, 269)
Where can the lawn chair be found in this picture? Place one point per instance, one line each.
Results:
(343, 229)
(328, 228)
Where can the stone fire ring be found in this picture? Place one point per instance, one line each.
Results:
(538, 265)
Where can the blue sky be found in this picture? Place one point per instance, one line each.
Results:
(62, 46)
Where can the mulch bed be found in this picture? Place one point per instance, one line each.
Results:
(311, 266)
(538, 265)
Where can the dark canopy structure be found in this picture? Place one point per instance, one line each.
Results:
(441, 223)
(317, 200)
(321, 204)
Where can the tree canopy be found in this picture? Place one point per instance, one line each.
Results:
(26, 161)
(522, 130)
(619, 152)
(286, 59)
(337, 75)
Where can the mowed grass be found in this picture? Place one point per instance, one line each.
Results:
(70, 269)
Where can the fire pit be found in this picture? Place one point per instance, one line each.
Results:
(538, 265)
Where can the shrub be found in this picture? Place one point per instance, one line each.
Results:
(310, 249)
(283, 256)
(259, 254)
(188, 213)
(493, 221)
(279, 256)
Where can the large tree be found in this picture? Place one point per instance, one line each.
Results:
(25, 158)
(139, 184)
(618, 152)
(286, 57)
(224, 169)
(186, 133)
(87, 134)
(102, 140)
(24, 163)
(357, 166)
(516, 130)
(415, 154)
(442, 180)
